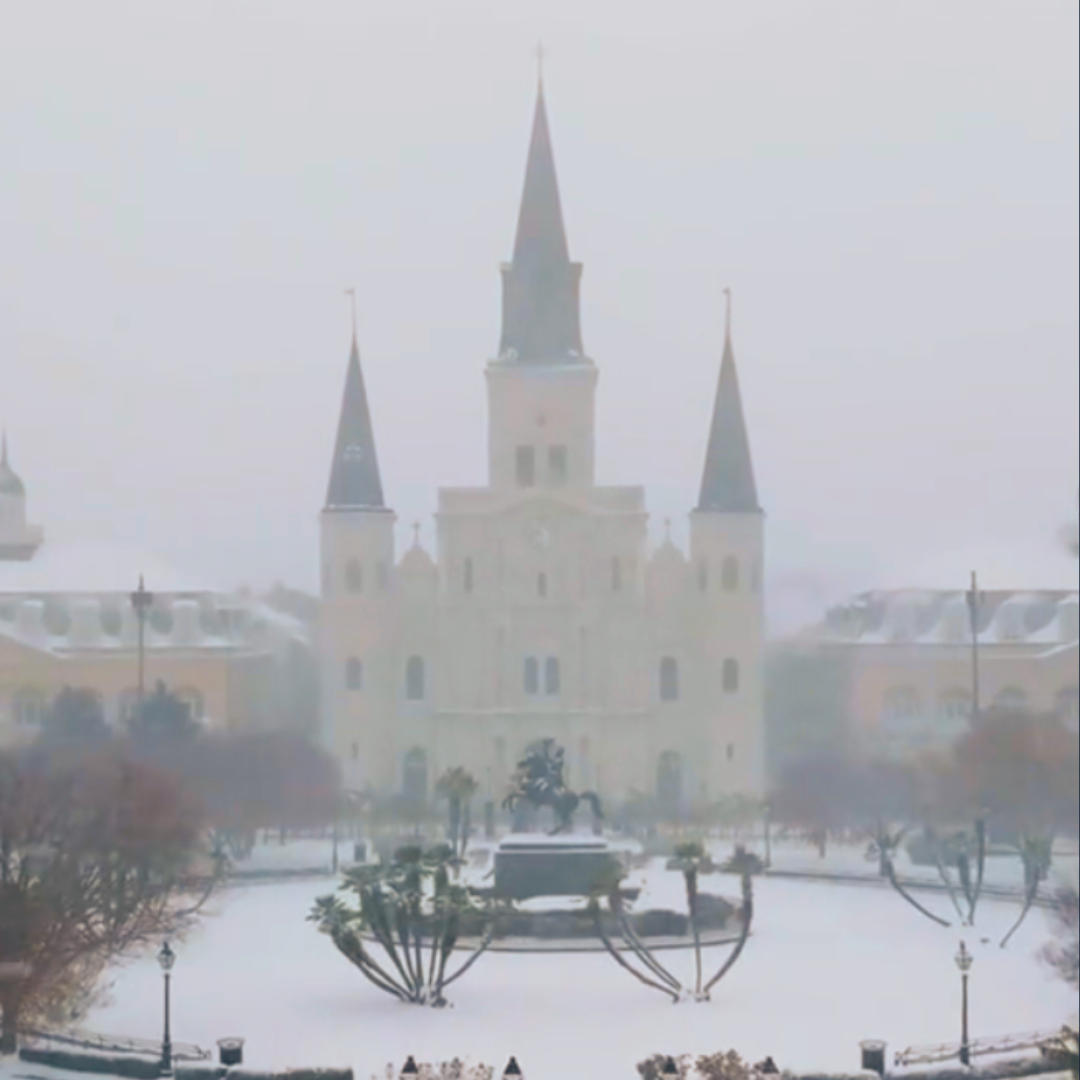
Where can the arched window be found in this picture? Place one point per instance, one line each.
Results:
(669, 782)
(354, 674)
(29, 707)
(414, 779)
(541, 585)
(1068, 705)
(729, 574)
(354, 576)
(730, 676)
(1011, 699)
(415, 679)
(616, 575)
(552, 676)
(530, 676)
(127, 704)
(194, 700)
(669, 679)
(954, 705)
(902, 703)
(467, 576)
(703, 576)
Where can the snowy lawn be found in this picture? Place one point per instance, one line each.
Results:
(827, 966)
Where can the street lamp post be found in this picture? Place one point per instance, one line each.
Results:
(964, 960)
(974, 602)
(141, 599)
(166, 958)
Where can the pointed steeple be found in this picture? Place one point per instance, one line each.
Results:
(355, 483)
(541, 316)
(727, 485)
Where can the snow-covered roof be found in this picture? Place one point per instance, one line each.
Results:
(926, 617)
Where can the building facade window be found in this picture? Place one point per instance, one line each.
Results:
(902, 703)
(354, 751)
(383, 575)
(729, 574)
(669, 679)
(415, 679)
(194, 700)
(552, 677)
(558, 466)
(541, 585)
(29, 707)
(730, 752)
(525, 466)
(730, 676)
(354, 576)
(467, 576)
(1068, 706)
(327, 579)
(354, 674)
(1011, 699)
(530, 676)
(703, 576)
(616, 575)
(954, 705)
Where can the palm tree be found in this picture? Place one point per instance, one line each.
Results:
(411, 909)
(458, 786)
(691, 859)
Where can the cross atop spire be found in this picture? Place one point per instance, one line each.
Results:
(355, 483)
(541, 317)
(727, 484)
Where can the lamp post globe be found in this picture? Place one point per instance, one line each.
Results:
(166, 958)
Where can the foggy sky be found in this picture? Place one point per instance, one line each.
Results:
(890, 191)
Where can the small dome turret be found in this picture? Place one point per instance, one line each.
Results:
(10, 484)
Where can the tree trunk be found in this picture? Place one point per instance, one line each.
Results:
(9, 1019)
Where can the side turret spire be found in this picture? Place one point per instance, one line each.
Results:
(541, 314)
(727, 485)
(355, 483)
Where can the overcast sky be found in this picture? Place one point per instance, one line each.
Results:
(889, 189)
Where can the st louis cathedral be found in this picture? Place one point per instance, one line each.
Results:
(544, 613)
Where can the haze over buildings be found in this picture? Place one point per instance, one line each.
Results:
(889, 193)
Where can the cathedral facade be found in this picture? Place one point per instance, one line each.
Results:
(544, 613)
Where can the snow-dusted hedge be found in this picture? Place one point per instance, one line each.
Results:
(143, 1068)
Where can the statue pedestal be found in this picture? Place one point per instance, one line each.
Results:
(529, 865)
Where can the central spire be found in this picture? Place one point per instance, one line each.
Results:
(541, 316)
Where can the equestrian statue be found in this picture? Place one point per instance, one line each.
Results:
(538, 780)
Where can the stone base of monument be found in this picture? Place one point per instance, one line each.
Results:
(529, 865)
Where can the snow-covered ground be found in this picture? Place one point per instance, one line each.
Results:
(828, 965)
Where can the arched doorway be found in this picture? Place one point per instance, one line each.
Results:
(669, 782)
(414, 776)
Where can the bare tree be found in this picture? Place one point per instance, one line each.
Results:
(98, 858)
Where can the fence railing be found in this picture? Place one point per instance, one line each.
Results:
(115, 1044)
(1002, 1044)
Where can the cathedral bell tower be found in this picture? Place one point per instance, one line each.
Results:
(727, 551)
(542, 387)
(357, 613)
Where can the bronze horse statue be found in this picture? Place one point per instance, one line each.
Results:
(538, 780)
